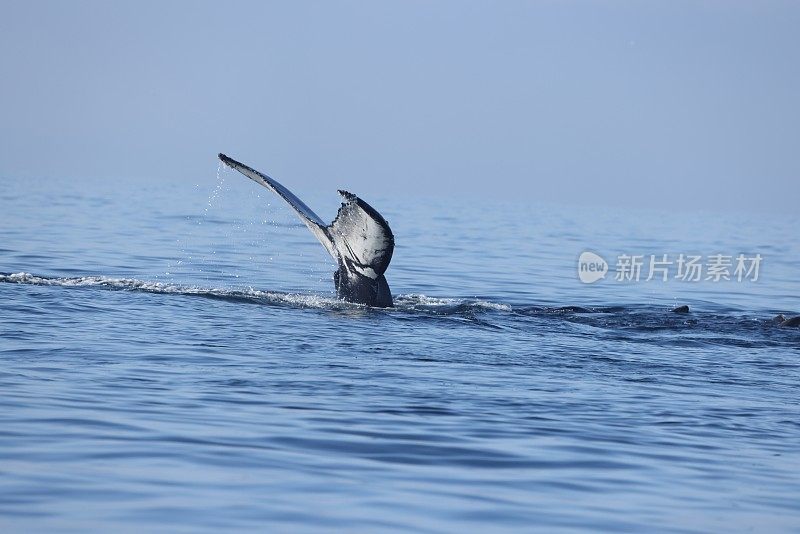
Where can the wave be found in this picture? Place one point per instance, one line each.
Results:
(130, 284)
(644, 319)
(419, 302)
(411, 302)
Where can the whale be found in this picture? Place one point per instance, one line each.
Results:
(781, 320)
(359, 239)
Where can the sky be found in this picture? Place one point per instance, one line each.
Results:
(669, 105)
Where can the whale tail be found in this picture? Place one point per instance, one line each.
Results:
(359, 239)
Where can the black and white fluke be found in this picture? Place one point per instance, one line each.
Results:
(359, 239)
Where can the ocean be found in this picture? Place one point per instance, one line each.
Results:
(173, 358)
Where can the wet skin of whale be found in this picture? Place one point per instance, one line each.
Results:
(791, 321)
(359, 239)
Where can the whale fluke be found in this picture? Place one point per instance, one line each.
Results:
(359, 239)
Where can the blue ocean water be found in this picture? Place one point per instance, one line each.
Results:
(173, 358)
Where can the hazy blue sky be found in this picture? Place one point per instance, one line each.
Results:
(666, 104)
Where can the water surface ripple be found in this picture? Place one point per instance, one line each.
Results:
(171, 361)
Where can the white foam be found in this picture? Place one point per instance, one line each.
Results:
(410, 302)
(311, 301)
(417, 301)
